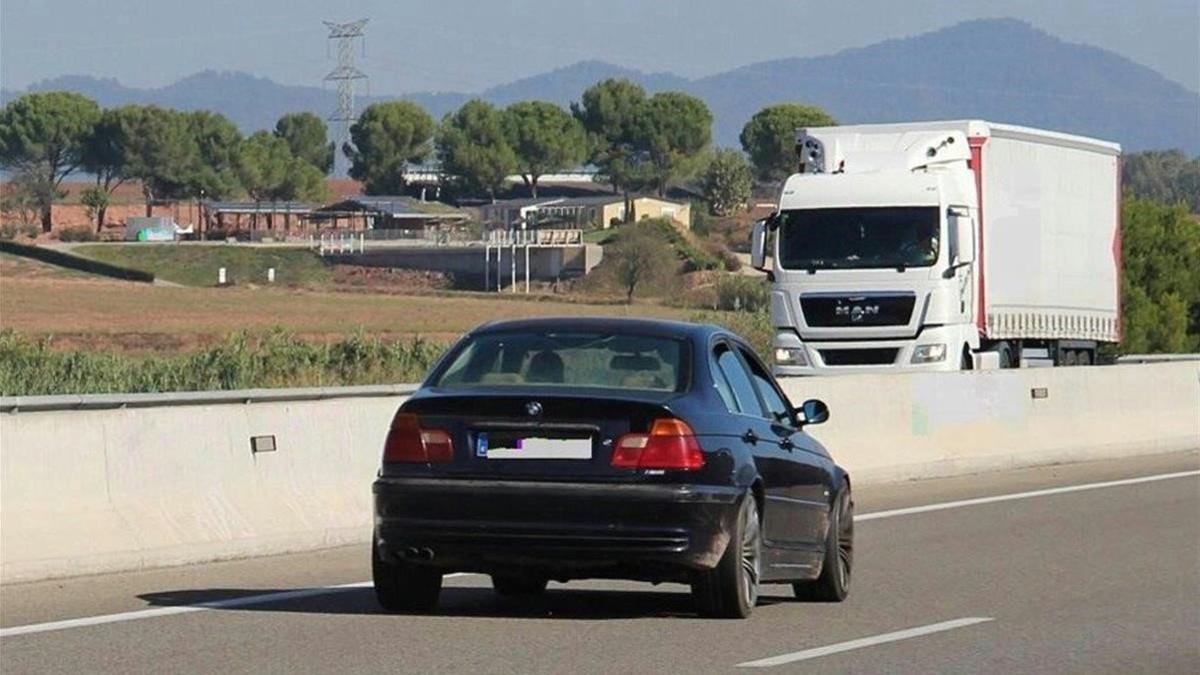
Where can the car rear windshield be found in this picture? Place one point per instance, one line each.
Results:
(566, 359)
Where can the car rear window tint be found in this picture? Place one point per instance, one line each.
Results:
(567, 359)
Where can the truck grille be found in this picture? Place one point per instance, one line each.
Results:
(877, 356)
(879, 309)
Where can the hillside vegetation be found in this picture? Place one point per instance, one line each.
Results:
(197, 264)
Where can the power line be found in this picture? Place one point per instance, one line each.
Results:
(345, 74)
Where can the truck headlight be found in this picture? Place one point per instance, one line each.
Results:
(929, 353)
(790, 356)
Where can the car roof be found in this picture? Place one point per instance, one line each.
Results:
(663, 327)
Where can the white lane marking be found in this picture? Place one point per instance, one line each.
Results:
(310, 592)
(891, 513)
(230, 603)
(884, 638)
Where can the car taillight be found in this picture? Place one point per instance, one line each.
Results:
(671, 444)
(407, 441)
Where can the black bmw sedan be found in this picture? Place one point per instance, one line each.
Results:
(556, 449)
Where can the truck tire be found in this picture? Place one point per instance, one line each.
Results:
(404, 587)
(730, 590)
(1070, 357)
(967, 363)
(1006, 356)
(1085, 357)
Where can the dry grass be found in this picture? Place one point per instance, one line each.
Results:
(103, 314)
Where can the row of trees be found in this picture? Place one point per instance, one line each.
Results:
(639, 142)
(175, 155)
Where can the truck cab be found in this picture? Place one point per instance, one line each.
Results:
(875, 256)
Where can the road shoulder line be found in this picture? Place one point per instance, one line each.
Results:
(943, 506)
(861, 643)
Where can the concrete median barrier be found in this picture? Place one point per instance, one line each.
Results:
(898, 427)
(92, 484)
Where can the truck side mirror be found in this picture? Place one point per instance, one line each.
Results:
(962, 228)
(758, 246)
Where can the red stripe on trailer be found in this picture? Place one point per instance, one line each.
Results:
(976, 143)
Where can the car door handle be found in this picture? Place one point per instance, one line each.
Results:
(786, 443)
(750, 436)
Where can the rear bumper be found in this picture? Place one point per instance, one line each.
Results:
(561, 530)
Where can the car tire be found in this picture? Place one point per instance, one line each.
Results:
(834, 582)
(404, 587)
(507, 585)
(730, 590)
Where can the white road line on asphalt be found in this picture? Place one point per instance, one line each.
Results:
(891, 513)
(324, 590)
(884, 638)
(231, 603)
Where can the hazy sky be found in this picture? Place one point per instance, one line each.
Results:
(456, 45)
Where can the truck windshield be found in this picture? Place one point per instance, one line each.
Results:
(856, 238)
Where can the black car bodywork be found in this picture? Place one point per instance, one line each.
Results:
(526, 521)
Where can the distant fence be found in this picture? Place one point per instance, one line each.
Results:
(49, 255)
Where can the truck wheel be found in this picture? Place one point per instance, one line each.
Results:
(1070, 357)
(967, 363)
(404, 587)
(1085, 357)
(1006, 356)
(730, 590)
(834, 582)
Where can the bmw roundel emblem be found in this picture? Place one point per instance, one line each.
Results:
(533, 408)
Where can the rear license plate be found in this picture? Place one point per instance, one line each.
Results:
(506, 446)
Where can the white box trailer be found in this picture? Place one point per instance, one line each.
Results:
(943, 245)
(1050, 244)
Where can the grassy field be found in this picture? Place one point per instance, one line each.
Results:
(197, 264)
(103, 314)
(13, 266)
(63, 331)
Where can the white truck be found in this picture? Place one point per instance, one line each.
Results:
(943, 246)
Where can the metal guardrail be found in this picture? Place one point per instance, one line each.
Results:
(16, 404)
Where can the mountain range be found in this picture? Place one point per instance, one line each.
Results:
(998, 69)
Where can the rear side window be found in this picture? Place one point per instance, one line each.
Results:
(738, 381)
(603, 360)
(776, 405)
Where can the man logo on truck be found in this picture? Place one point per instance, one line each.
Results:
(856, 312)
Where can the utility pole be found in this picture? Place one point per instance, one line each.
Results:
(344, 74)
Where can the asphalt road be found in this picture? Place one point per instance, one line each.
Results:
(1098, 580)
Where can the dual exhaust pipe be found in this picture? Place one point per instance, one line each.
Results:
(413, 553)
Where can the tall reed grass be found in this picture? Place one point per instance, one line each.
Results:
(244, 360)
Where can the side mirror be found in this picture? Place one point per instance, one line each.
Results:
(758, 246)
(962, 229)
(813, 411)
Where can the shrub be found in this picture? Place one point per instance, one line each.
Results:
(639, 257)
(76, 234)
(742, 293)
(755, 327)
(10, 231)
(693, 256)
